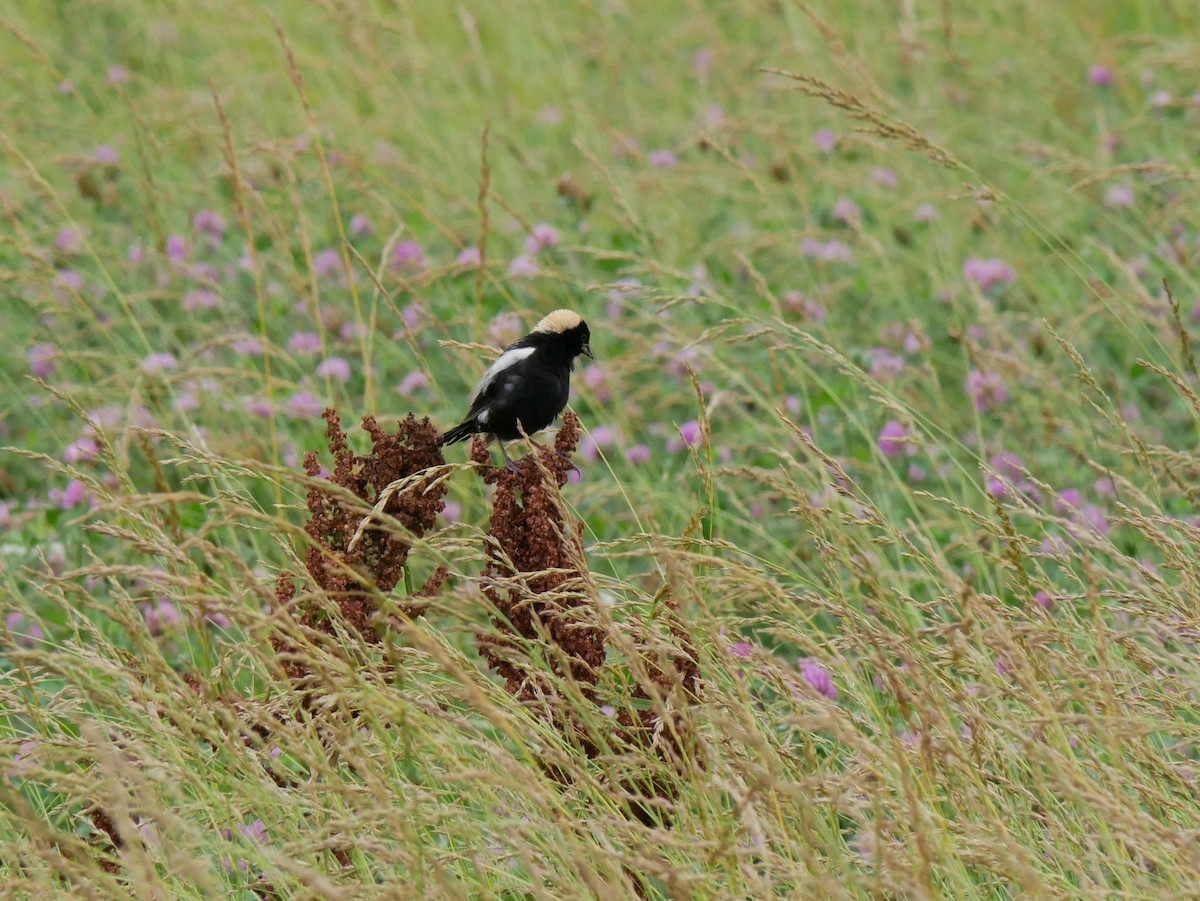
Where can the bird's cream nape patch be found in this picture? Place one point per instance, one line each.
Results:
(558, 322)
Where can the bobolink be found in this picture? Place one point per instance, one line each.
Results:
(529, 383)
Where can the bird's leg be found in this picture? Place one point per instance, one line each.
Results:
(508, 463)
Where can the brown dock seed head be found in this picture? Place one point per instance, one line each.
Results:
(527, 528)
(378, 557)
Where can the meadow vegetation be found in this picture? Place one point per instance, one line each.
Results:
(865, 565)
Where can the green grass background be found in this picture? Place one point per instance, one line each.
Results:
(982, 744)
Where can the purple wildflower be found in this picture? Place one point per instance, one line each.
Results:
(600, 437)
(117, 75)
(885, 177)
(304, 343)
(69, 240)
(327, 262)
(1044, 600)
(207, 222)
(504, 329)
(985, 390)
(595, 380)
(1118, 196)
(818, 677)
(248, 347)
(523, 265)
(199, 299)
(741, 649)
(41, 360)
(81, 451)
(360, 225)
(662, 159)
(303, 405)
(988, 273)
(408, 255)
(105, 155)
(413, 382)
(159, 362)
(638, 454)
(847, 211)
(470, 256)
(256, 831)
(1100, 76)
(542, 237)
(176, 249)
(26, 633)
(690, 433)
(886, 364)
(336, 368)
(825, 140)
(926, 212)
(892, 439)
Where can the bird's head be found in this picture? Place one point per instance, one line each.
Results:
(569, 327)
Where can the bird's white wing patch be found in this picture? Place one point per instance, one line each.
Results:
(507, 359)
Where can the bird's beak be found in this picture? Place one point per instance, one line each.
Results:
(586, 350)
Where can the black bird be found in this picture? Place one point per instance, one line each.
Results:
(529, 383)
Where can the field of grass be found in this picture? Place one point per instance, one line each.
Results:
(877, 576)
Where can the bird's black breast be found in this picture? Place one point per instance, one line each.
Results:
(532, 392)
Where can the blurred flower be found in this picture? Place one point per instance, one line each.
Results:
(207, 222)
(41, 360)
(327, 262)
(199, 299)
(847, 211)
(825, 140)
(67, 280)
(690, 433)
(542, 237)
(892, 439)
(69, 240)
(1044, 600)
(831, 251)
(256, 831)
(1118, 196)
(118, 75)
(885, 177)
(248, 347)
(360, 225)
(159, 362)
(817, 676)
(988, 273)
(408, 255)
(303, 405)
(1100, 76)
(470, 256)
(80, 451)
(26, 633)
(662, 159)
(638, 454)
(741, 649)
(810, 310)
(1067, 500)
(600, 437)
(259, 406)
(701, 60)
(176, 249)
(105, 156)
(413, 382)
(1160, 99)
(160, 615)
(304, 343)
(985, 390)
(523, 265)
(926, 212)
(504, 329)
(916, 473)
(595, 380)
(336, 368)
(885, 364)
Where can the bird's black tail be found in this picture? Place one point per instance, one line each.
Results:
(459, 433)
